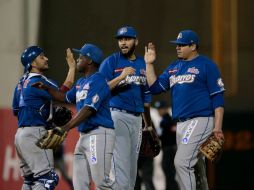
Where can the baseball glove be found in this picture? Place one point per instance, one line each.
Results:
(55, 136)
(150, 145)
(61, 115)
(212, 148)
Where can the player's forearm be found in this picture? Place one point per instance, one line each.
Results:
(150, 74)
(82, 115)
(113, 83)
(218, 119)
(56, 94)
(70, 78)
(146, 115)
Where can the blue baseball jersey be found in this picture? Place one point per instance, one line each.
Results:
(92, 91)
(192, 84)
(131, 93)
(32, 105)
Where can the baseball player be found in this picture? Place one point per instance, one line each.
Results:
(126, 76)
(94, 149)
(197, 101)
(33, 110)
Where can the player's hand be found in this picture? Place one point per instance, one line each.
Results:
(218, 133)
(150, 53)
(70, 59)
(40, 85)
(127, 71)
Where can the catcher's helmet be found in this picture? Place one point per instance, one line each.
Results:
(126, 31)
(29, 55)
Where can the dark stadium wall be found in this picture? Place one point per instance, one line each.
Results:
(64, 24)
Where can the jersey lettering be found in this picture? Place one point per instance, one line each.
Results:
(25, 83)
(93, 150)
(138, 80)
(181, 79)
(81, 95)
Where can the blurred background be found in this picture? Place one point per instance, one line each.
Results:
(226, 32)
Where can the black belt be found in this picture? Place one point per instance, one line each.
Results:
(184, 119)
(137, 114)
(181, 119)
(23, 126)
(89, 130)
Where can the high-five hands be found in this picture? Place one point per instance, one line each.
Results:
(70, 59)
(150, 53)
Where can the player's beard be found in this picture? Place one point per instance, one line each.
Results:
(43, 68)
(130, 52)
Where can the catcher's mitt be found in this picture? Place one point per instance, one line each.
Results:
(212, 148)
(55, 136)
(150, 145)
(61, 115)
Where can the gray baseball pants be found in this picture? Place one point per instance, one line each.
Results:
(92, 159)
(128, 130)
(33, 160)
(189, 136)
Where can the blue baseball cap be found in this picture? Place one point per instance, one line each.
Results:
(186, 37)
(92, 52)
(126, 31)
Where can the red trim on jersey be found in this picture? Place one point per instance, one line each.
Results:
(118, 70)
(172, 71)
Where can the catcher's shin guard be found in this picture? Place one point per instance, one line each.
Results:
(49, 180)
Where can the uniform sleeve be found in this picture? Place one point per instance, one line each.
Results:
(147, 94)
(217, 100)
(15, 101)
(107, 68)
(214, 81)
(161, 84)
(96, 94)
(28, 89)
(50, 82)
(70, 95)
(38, 92)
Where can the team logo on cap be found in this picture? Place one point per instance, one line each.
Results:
(123, 30)
(180, 35)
